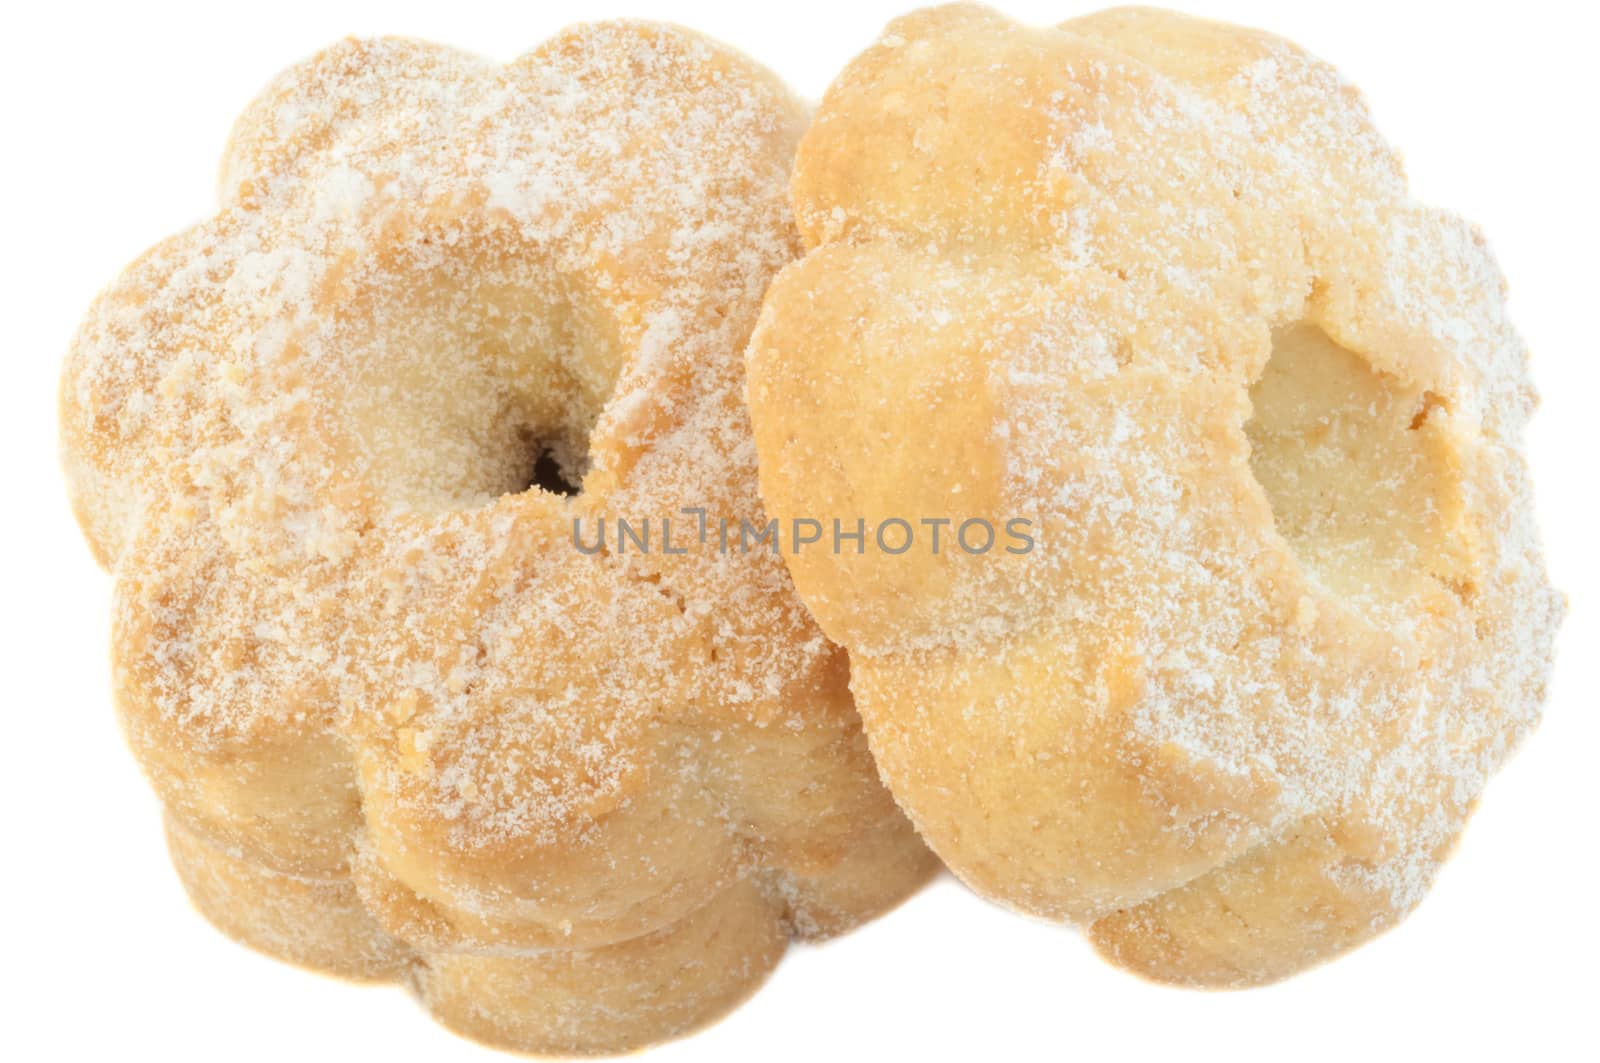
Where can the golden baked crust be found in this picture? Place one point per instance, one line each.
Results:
(1155, 285)
(402, 726)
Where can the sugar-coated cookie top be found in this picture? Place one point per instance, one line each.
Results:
(1155, 286)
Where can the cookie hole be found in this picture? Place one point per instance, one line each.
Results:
(548, 476)
(469, 368)
(552, 468)
(1360, 488)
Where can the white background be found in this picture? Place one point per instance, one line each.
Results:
(114, 119)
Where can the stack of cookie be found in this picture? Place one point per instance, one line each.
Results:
(563, 512)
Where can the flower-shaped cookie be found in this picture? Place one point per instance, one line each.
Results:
(337, 445)
(1154, 287)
